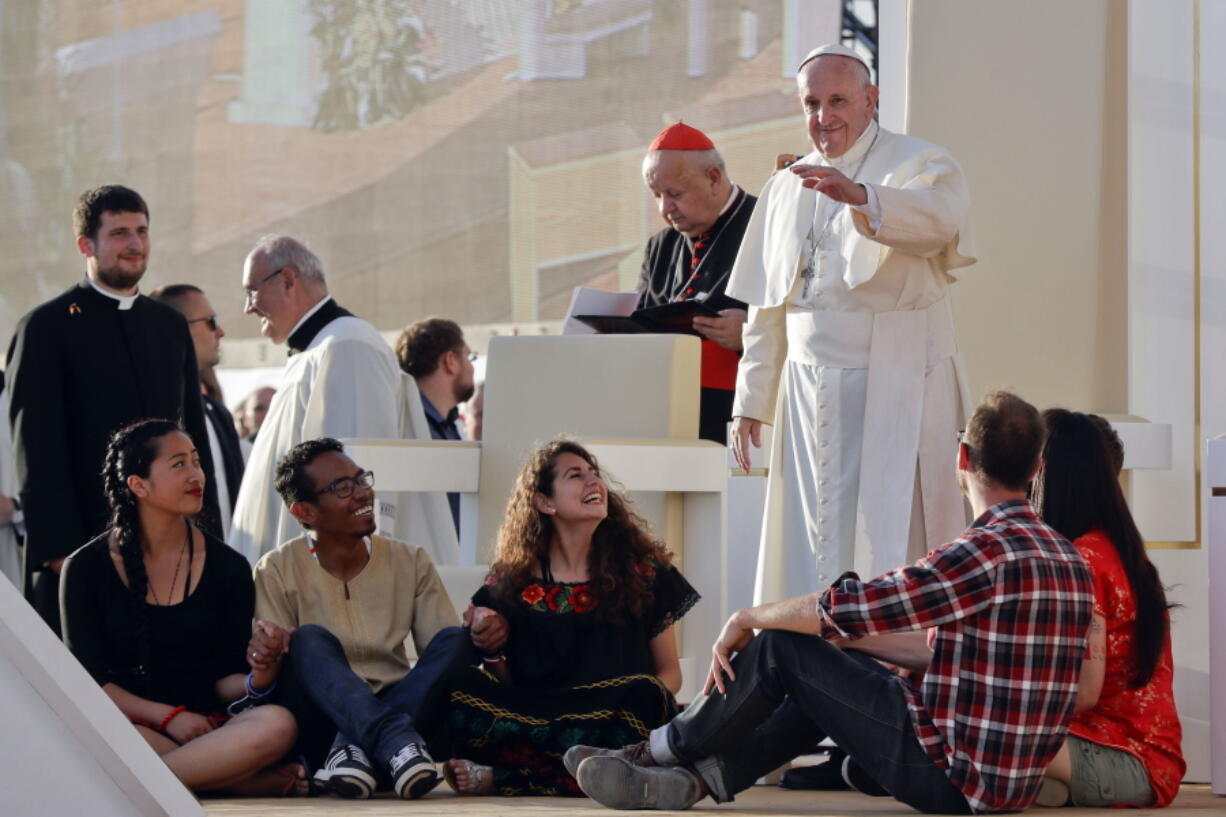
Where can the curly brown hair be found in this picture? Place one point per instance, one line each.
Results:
(622, 544)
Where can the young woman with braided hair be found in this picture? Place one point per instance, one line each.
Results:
(159, 613)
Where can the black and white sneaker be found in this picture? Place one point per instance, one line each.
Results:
(347, 773)
(413, 772)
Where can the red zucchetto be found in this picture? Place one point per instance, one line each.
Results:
(681, 137)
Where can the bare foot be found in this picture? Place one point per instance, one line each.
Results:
(466, 777)
(286, 780)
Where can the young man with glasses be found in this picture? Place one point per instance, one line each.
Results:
(350, 599)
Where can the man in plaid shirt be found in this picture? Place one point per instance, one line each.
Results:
(996, 622)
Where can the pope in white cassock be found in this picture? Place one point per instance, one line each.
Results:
(850, 349)
(342, 380)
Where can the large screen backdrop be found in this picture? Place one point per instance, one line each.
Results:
(469, 158)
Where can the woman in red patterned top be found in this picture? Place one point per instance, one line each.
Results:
(1124, 742)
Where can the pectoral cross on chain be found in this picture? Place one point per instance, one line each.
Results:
(810, 272)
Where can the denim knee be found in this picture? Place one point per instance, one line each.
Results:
(310, 641)
(311, 634)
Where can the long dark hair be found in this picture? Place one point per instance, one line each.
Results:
(1077, 491)
(621, 544)
(130, 452)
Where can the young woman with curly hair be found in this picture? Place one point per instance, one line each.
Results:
(1124, 742)
(159, 613)
(590, 598)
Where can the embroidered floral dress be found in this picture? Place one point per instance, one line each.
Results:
(1142, 722)
(575, 678)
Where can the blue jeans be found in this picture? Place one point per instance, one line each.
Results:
(331, 701)
(791, 691)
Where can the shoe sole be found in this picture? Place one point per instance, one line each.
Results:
(572, 760)
(346, 783)
(417, 782)
(615, 783)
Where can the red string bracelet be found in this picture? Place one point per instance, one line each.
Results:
(161, 727)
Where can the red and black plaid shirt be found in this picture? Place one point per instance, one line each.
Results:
(1009, 602)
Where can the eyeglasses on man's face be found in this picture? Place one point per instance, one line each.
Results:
(249, 293)
(210, 320)
(345, 486)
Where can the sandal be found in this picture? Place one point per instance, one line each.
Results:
(292, 779)
(480, 778)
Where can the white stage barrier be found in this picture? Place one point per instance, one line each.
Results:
(67, 748)
(1215, 540)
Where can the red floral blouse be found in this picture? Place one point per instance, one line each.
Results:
(1142, 722)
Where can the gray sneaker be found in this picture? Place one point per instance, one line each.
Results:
(614, 782)
(347, 773)
(638, 754)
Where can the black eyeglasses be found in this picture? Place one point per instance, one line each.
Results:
(249, 293)
(345, 486)
(211, 320)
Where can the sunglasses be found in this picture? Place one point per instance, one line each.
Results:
(211, 320)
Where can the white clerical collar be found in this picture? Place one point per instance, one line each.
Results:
(731, 198)
(125, 301)
(309, 313)
(858, 150)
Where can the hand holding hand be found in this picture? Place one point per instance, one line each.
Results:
(832, 183)
(745, 430)
(187, 726)
(268, 645)
(732, 639)
(488, 629)
(724, 330)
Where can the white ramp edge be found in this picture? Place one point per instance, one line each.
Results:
(67, 748)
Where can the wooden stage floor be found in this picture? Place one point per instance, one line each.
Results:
(760, 801)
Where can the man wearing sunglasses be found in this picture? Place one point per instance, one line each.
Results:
(223, 436)
(351, 598)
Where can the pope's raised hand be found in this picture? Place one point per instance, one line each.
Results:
(831, 182)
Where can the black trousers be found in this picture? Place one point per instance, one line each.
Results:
(791, 691)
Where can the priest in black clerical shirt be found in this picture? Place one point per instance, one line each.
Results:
(691, 259)
(82, 366)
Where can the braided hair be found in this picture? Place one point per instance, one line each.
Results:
(131, 452)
